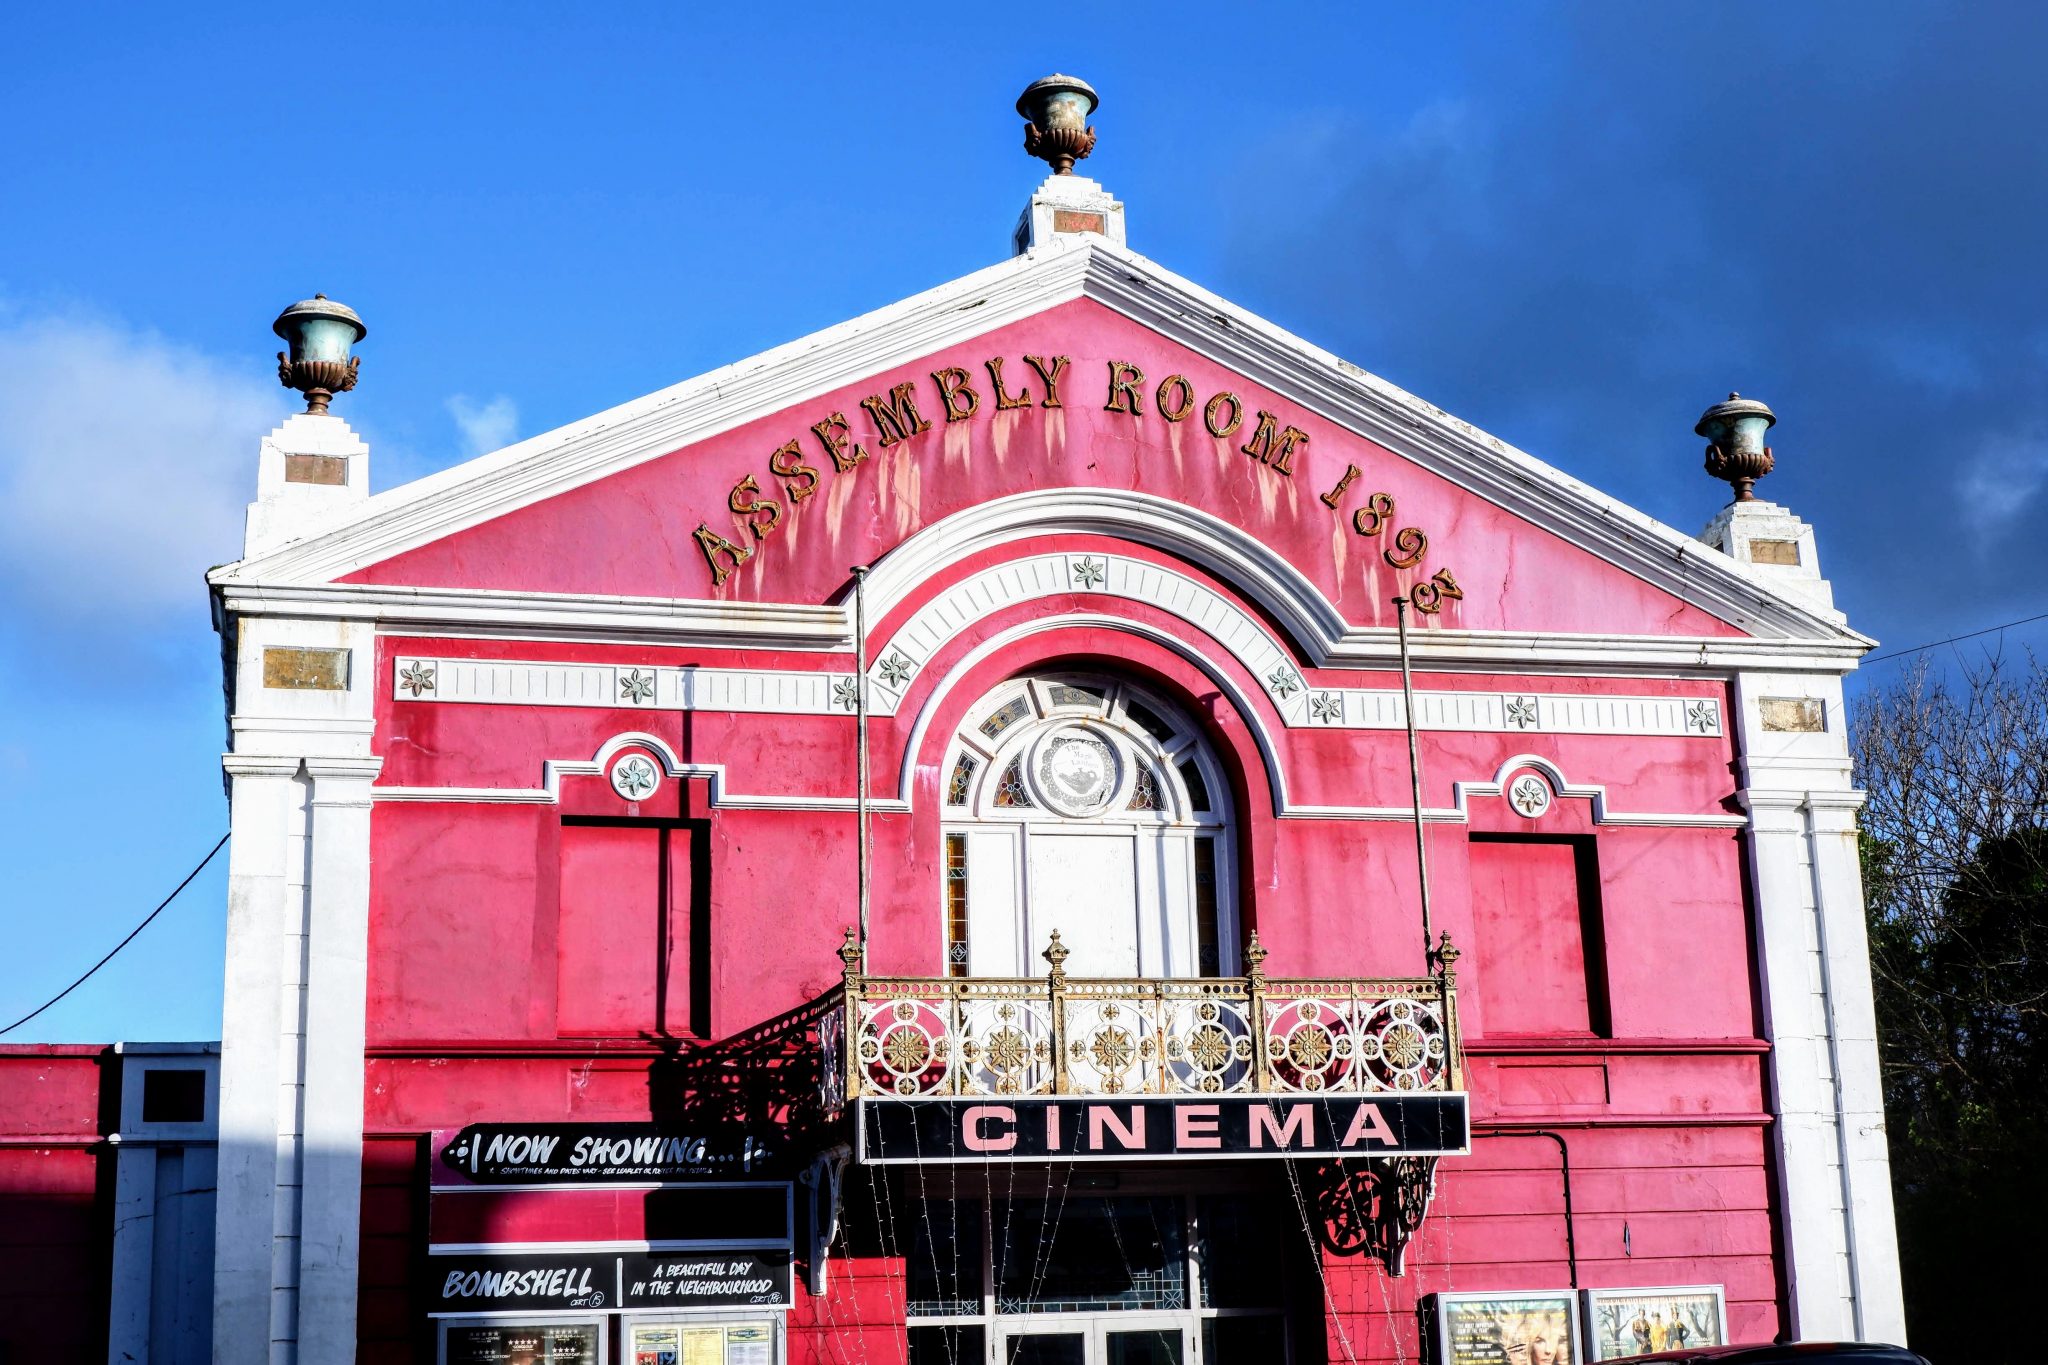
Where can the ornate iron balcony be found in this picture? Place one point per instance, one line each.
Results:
(932, 1037)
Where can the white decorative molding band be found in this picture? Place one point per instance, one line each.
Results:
(641, 687)
(1535, 713)
(657, 687)
(722, 797)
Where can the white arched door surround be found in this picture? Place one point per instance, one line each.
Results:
(1086, 804)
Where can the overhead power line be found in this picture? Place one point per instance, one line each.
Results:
(1954, 639)
(123, 943)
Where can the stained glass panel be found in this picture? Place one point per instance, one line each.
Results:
(1010, 788)
(961, 784)
(1005, 716)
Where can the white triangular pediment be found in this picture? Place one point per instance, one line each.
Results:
(1084, 266)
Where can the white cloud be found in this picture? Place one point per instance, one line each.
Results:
(2001, 480)
(484, 426)
(125, 462)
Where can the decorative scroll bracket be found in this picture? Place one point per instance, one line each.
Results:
(1372, 1206)
(822, 1178)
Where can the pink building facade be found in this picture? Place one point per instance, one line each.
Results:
(562, 1023)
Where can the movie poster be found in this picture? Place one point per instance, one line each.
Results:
(1635, 1322)
(1536, 1328)
(682, 1343)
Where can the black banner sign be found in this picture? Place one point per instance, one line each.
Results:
(1112, 1129)
(599, 1281)
(549, 1280)
(594, 1153)
(707, 1279)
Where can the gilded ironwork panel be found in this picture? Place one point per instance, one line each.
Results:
(914, 1037)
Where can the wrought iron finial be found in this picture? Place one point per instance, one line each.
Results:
(1056, 953)
(850, 952)
(1446, 954)
(320, 332)
(1255, 956)
(1735, 442)
(1056, 130)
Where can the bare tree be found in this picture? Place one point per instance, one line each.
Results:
(1955, 858)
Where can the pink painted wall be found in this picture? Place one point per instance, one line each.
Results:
(55, 1226)
(1660, 1096)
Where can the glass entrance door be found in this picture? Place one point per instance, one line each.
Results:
(1117, 1341)
(1046, 1348)
(1123, 1344)
(1070, 1278)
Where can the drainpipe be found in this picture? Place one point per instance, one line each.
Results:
(1564, 1162)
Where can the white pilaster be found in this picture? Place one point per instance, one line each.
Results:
(337, 962)
(1833, 1170)
(265, 802)
(292, 1022)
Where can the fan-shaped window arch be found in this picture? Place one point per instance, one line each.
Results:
(1091, 805)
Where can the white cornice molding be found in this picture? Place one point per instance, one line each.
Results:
(482, 614)
(404, 518)
(1315, 627)
(492, 613)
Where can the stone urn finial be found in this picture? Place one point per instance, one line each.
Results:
(320, 332)
(1735, 442)
(1056, 130)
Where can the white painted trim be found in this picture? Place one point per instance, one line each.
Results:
(336, 996)
(549, 792)
(1564, 789)
(561, 1248)
(492, 614)
(651, 686)
(633, 686)
(1833, 1170)
(1231, 554)
(715, 774)
(1075, 266)
(258, 1059)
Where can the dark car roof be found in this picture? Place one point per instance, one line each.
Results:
(1783, 1353)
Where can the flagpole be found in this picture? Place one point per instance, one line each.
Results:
(860, 715)
(1415, 781)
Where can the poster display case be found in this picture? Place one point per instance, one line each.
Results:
(696, 1340)
(509, 1342)
(1522, 1327)
(1634, 1322)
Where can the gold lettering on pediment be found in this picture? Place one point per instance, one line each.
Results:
(894, 417)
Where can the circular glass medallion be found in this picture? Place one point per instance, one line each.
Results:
(1075, 772)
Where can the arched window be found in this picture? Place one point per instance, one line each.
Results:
(1086, 804)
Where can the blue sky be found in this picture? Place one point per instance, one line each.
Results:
(1574, 225)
